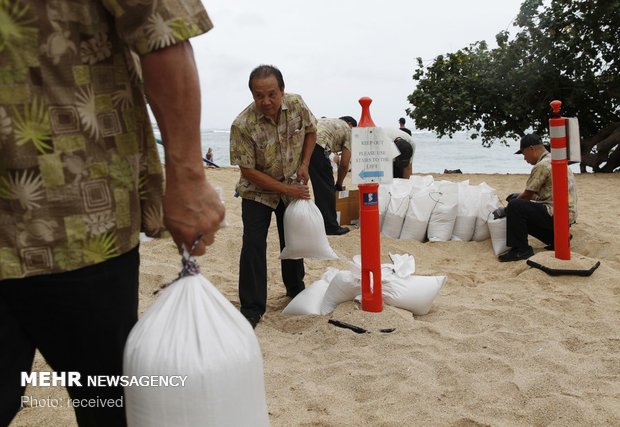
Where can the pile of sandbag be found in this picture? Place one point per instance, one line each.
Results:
(400, 287)
(422, 209)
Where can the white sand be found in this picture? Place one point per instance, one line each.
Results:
(504, 344)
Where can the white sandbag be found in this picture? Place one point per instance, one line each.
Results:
(420, 182)
(192, 330)
(441, 222)
(421, 206)
(343, 287)
(413, 293)
(403, 265)
(395, 216)
(497, 229)
(384, 201)
(465, 223)
(488, 203)
(304, 232)
(309, 300)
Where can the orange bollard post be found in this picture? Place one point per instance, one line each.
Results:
(372, 299)
(559, 174)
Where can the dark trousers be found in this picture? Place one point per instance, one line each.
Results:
(79, 321)
(525, 217)
(322, 177)
(253, 261)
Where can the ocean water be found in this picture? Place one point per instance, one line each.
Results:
(432, 155)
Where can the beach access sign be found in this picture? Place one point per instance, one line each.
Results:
(372, 153)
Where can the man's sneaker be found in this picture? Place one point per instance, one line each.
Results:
(517, 254)
(338, 231)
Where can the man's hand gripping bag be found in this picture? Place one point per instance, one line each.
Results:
(193, 331)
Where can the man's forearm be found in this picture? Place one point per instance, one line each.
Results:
(173, 90)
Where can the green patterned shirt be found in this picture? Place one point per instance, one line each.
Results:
(257, 142)
(540, 182)
(333, 134)
(80, 175)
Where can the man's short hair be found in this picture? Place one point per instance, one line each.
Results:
(401, 120)
(350, 120)
(263, 71)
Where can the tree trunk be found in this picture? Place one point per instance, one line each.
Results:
(602, 151)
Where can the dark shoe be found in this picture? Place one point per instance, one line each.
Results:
(253, 321)
(516, 254)
(293, 294)
(338, 231)
(551, 246)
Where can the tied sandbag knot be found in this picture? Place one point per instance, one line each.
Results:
(190, 266)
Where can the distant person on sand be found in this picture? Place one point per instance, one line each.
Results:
(271, 141)
(210, 154)
(401, 124)
(333, 135)
(531, 212)
(80, 177)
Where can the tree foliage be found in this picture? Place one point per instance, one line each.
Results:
(566, 50)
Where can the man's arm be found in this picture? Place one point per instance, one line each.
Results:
(266, 182)
(528, 195)
(306, 153)
(191, 206)
(343, 166)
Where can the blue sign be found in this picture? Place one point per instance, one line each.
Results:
(370, 199)
(371, 174)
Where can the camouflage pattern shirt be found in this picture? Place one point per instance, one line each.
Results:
(80, 175)
(257, 142)
(334, 135)
(540, 182)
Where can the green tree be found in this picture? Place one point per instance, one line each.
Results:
(565, 50)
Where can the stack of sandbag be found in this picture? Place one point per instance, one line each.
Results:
(400, 288)
(426, 210)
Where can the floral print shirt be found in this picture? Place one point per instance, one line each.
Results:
(540, 181)
(257, 142)
(333, 134)
(80, 175)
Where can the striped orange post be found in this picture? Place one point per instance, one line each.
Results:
(559, 173)
(370, 241)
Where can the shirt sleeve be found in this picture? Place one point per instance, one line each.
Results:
(148, 26)
(242, 151)
(309, 121)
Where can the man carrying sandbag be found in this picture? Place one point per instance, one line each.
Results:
(80, 177)
(271, 141)
(531, 212)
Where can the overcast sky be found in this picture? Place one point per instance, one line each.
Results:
(333, 52)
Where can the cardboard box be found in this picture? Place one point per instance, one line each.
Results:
(348, 207)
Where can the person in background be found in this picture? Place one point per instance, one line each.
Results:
(403, 161)
(80, 177)
(401, 124)
(394, 135)
(531, 211)
(271, 141)
(210, 154)
(333, 135)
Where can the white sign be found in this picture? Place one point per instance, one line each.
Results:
(372, 153)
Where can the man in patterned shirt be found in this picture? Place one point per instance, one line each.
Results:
(531, 212)
(333, 136)
(80, 177)
(271, 141)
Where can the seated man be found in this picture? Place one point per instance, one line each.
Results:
(531, 212)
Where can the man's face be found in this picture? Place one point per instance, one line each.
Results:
(530, 154)
(267, 96)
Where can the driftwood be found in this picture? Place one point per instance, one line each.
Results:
(602, 151)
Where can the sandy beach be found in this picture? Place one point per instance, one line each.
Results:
(504, 344)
